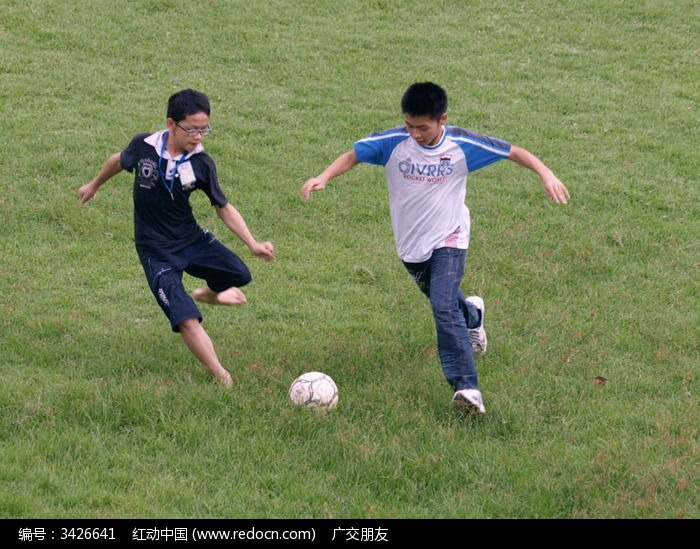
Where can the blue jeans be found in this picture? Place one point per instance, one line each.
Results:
(439, 278)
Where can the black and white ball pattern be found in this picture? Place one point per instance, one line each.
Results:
(314, 390)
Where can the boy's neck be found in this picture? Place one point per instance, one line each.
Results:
(174, 151)
(172, 147)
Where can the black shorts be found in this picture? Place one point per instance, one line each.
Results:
(207, 259)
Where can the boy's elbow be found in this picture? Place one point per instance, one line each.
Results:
(515, 153)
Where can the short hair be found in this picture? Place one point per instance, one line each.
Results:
(187, 102)
(424, 98)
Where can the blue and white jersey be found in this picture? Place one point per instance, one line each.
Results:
(428, 185)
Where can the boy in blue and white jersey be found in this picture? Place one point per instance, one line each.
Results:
(427, 163)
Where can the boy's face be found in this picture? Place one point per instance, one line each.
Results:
(188, 132)
(424, 129)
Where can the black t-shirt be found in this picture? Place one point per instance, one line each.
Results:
(163, 219)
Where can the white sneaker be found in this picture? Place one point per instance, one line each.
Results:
(471, 399)
(477, 336)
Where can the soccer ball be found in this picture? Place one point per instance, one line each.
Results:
(314, 390)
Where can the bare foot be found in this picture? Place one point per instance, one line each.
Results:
(232, 296)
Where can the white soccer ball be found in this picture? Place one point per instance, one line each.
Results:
(314, 390)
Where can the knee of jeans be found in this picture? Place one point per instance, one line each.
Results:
(443, 310)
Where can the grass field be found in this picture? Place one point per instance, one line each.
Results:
(105, 414)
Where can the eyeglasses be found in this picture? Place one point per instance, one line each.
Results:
(193, 131)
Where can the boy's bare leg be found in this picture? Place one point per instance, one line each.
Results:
(201, 346)
(231, 296)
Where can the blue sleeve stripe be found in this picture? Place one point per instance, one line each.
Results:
(385, 135)
(502, 150)
(378, 147)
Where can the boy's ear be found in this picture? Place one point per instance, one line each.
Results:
(443, 118)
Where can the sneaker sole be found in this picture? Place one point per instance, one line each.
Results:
(464, 404)
(482, 307)
(480, 350)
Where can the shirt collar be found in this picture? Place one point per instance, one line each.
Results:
(156, 141)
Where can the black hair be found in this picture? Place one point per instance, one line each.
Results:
(187, 102)
(424, 98)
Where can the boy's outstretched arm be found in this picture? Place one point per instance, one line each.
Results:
(339, 166)
(111, 167)
(554, 188)
(233, 219)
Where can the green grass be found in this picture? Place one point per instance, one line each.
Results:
(103, 411)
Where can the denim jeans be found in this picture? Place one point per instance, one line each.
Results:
(439, 278)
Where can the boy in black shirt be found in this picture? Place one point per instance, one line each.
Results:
(169, 165)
